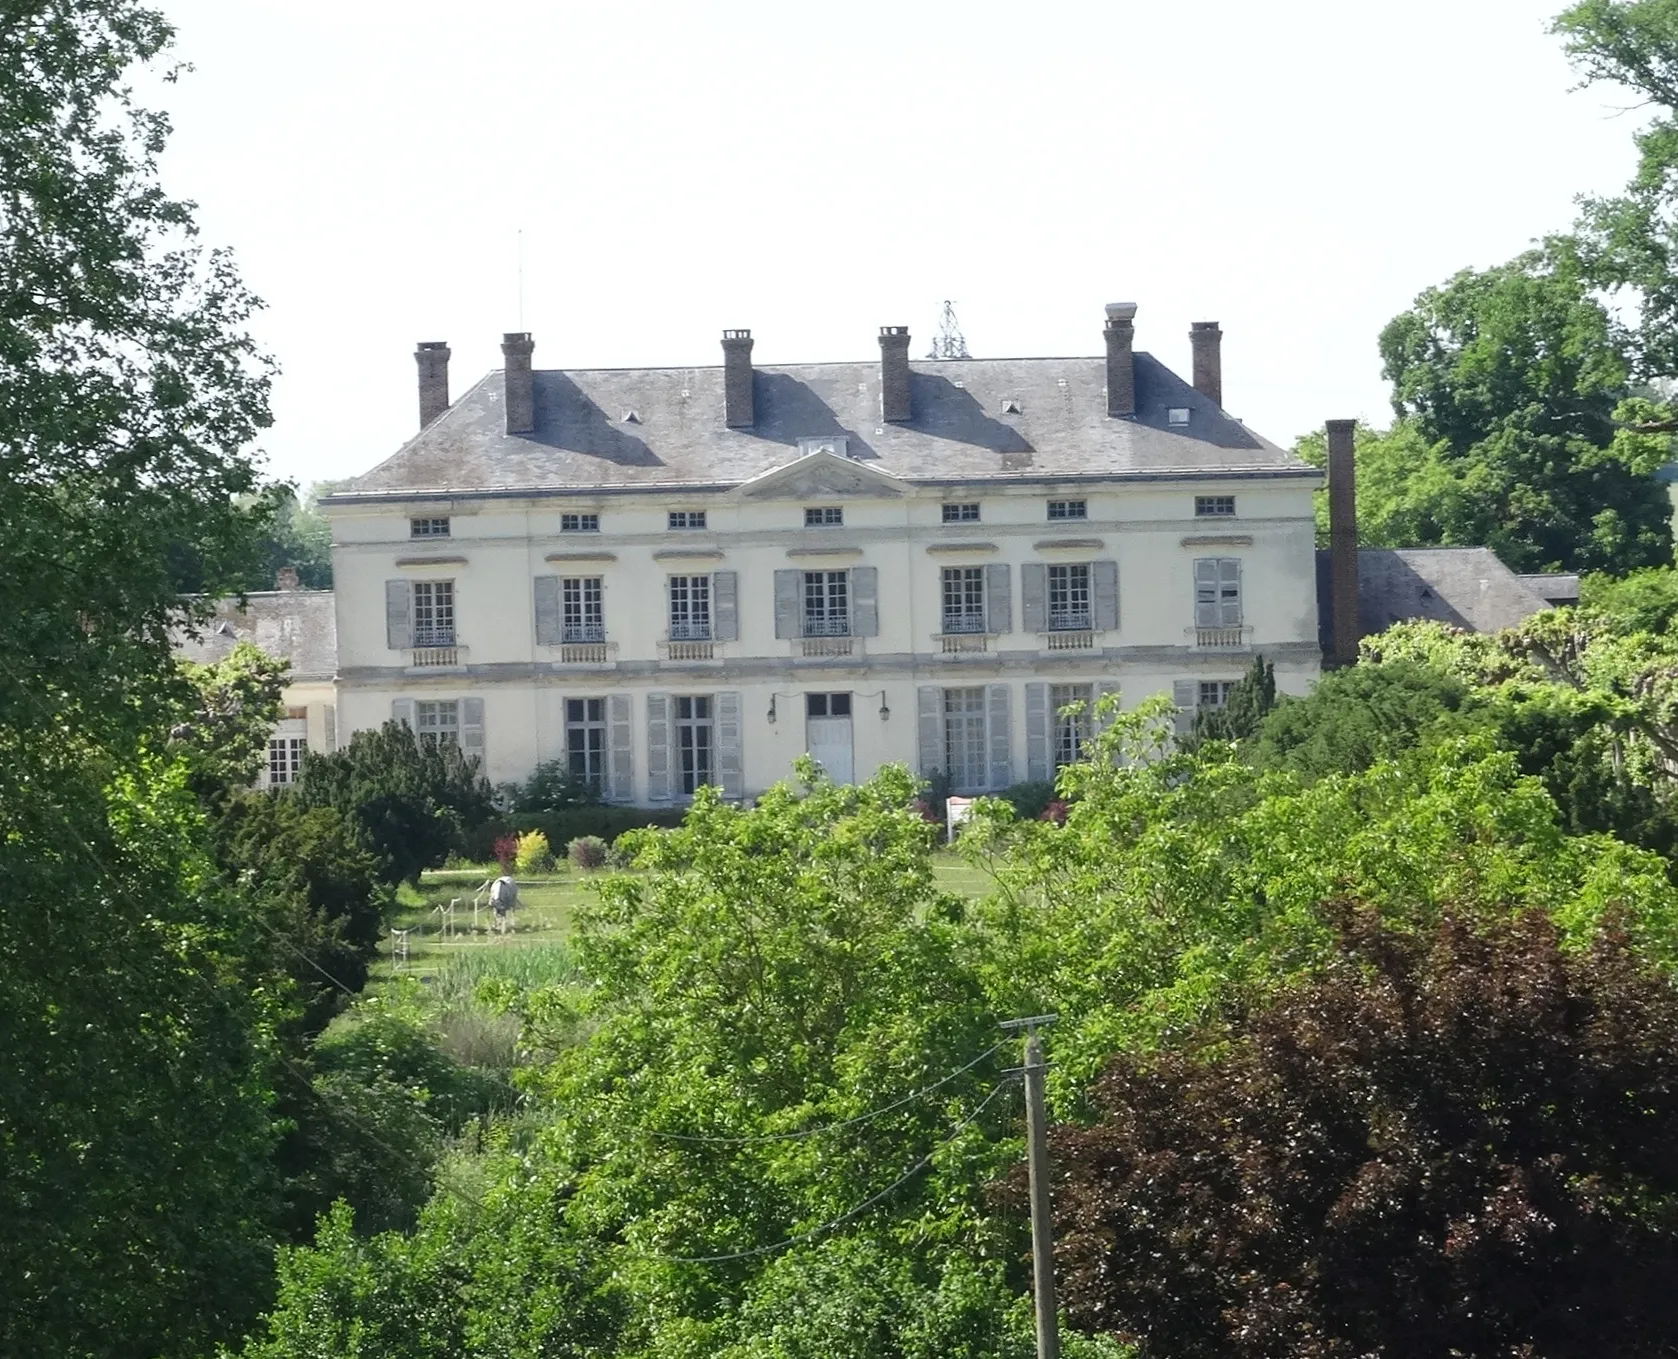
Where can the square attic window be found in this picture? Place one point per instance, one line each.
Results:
(1176, 415)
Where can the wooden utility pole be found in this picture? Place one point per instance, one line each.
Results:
(1037, 1170)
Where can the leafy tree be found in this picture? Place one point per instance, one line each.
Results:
(552, 787)
(413, 797)
(298, 536)
(1640, 601)
(232, 709)
(1461, 1145)
(1250, 698)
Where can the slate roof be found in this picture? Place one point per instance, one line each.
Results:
(297, 625)
(1467, 587)
(1555, 587)
(584, 440)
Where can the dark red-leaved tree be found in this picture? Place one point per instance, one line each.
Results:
(1466, 1145)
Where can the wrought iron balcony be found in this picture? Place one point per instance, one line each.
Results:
(1070, 620)
(690, 629)
(827, 625)
(964, 622)
(583, 632)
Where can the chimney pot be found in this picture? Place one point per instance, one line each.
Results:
(1343, 541)
(1120, 335)
(895, 404)
(737, 379)
(1207, 340)
(286, 579)
(432, 357)
(516, 349)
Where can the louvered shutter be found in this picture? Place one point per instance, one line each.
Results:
(1186, 695)
(398, 629)
(1229, 592)
(402, 710)
(865, 609)
(329, 727)
(1034, 596)
(930, 703)
(1039, 764)
(658, 747)
(789, 590)
(999, 602)
(472, 727)
(1104, 592)
(725, 606)
(547, 611)
(620, 745)
(730, 765)
(998, 700)
(1206, 611)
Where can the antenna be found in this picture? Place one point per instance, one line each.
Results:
(950, 342)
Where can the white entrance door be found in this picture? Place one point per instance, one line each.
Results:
(827, 725)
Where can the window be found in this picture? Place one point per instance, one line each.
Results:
(687, 519)
(285, 759)
(693, 741)
(579, 523)
(964, 739)
(964, 599)
(1217, 592)
(1069, 598)
(1068, 509)
(1214, 506)
(823, 516)
(438, 720)
(1176, 415)
(583, 616)
(1214, 693)
(1071, 729)
(827, 611)
(690, 608)
(585, 740)
(966, 513)
(428, 528)
(433, 613)
(827, 705)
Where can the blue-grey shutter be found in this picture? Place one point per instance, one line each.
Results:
(547, 611)
(789, 601)
(930, 701)
(865, 607)
(1229, 592)
(620, 745)
(999, 603)
(997, 702)
(1034, 596)
(1206, 611)
(398, 631)
(1186, 695)
(658, 747)
(329, 721)
(1104, 592)
(730, 766)
(1039, 763)
(725, 605)
(472, 727)
(402, 710)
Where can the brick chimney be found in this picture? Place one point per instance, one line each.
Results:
(1120, 335)
(1207, 341)
(894, 373)
(516, 348)
(737, 379)
(432, 356)
(286, 579)
(1343, 542)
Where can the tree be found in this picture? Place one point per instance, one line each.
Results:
(224, 728)
(1456, 1145)
(299, 537)
(1250, 698)
(413, 797)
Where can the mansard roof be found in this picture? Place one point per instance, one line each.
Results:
(973, 420)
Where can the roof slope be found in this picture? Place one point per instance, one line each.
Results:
(1467, 587)
(295, 625)
(584, 439)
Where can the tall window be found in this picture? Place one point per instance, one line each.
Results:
(285, 759)
(964, 739)
(433, 613)
(687, 519)
(1068, 509)
(1071, 729)
(1069, 597)
(827, 610)
(964, 599)
(440, 720)
(584, 615)
(579, 523)
(1217, 592)
(823, 516)
(694, 745)
(1214, 506)
(428, 528)
(585, 740)
(690, 608)
(967, 512)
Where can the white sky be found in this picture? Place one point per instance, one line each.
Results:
(1295, 169)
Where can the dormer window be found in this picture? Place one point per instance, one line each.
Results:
(835, 444)
(687, 519)
(428, 528)
(1176, 415)
(823, 516)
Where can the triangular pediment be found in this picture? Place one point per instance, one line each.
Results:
(821, 474)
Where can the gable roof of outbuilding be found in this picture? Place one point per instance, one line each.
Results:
(299, 626)
(974, 419)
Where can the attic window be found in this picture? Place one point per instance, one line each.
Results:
(823, 516)
(428, 528)
(631, 418)
(825, 443)
(579, 523)
(1010, 406)
(1177, 415)
(687, 519)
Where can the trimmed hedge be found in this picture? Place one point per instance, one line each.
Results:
(572, 823)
